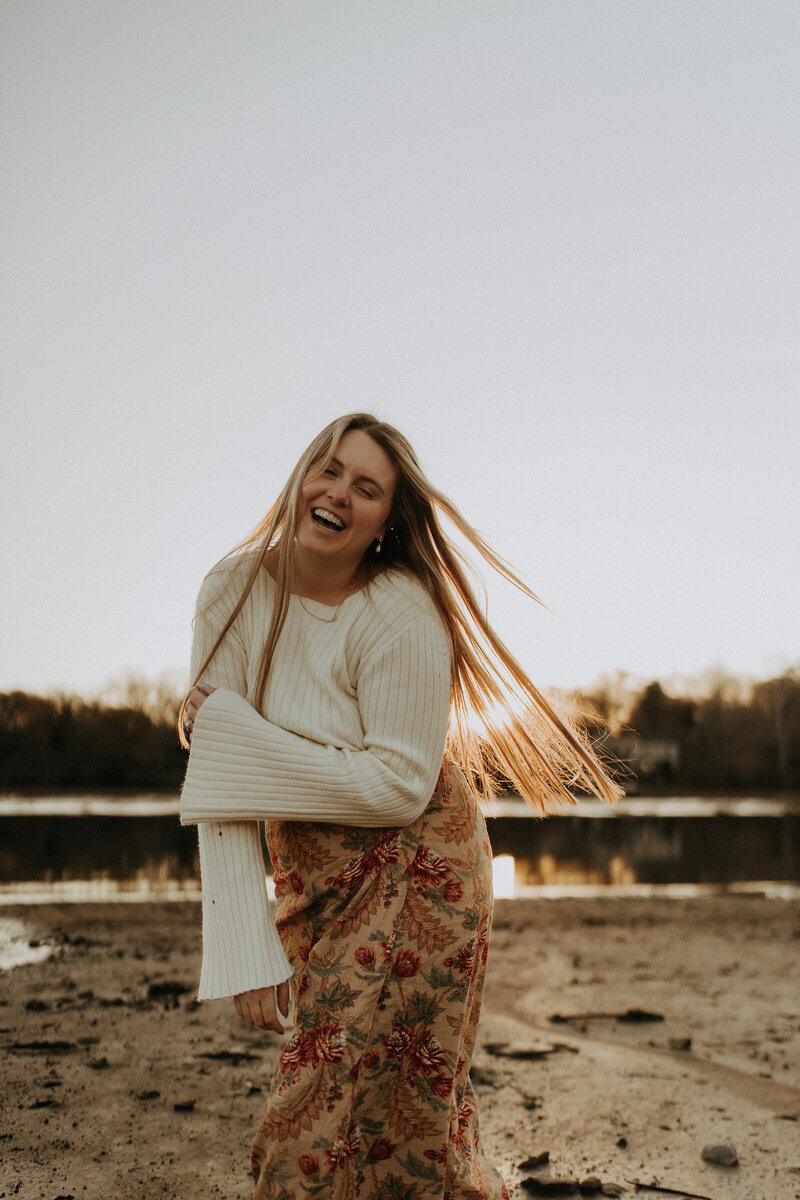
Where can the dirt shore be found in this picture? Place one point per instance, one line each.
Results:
(679, 1029)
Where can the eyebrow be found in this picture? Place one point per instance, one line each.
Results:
(361, 478)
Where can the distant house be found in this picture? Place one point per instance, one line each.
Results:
(652, 760)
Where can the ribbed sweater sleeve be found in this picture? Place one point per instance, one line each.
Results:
(241, 947)
(242, 766)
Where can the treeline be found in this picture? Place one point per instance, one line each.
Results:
(72, 744)
(733, 736)
(727, 736)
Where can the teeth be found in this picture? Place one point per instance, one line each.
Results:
(327, 515)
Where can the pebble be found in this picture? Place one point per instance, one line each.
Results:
(637, 1015)
(169, 991)
(680, 1043)
(526, 1053)
(549, 1187)
(49, 1047)
(721, 1155)
(233, 1056)
(590, 1184)
(480, 1077)
(535, 1160)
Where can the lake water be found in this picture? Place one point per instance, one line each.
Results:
(64, 849)
(102, 847)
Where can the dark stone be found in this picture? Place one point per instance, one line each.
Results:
(232, 1056)
(535, 1160)
(526, 1053)
(635, 1015)
(47, 1047)
(482, 1078)
(168, 987)
(549, 1187)
(721, 1155)
(168, 991)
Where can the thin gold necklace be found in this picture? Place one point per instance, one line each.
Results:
(327, 620)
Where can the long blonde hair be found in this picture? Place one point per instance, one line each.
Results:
(519, 736)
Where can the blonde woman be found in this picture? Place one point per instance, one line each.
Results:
(338, 655)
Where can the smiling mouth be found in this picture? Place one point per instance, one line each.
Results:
(326, 519)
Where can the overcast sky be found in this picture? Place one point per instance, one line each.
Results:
(556, 243)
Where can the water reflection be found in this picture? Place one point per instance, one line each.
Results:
(81, 848)
(96, 890)
(145, 887)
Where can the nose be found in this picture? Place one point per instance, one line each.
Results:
(337, 490)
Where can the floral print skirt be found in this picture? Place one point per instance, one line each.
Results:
(387, 930)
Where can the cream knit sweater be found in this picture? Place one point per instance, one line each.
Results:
(352, 731)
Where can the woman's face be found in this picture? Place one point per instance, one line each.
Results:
(343, 510)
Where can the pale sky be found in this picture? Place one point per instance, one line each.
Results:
(556, 243)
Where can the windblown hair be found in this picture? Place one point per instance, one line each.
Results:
(519, 737)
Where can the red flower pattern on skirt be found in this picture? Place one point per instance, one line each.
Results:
(380, 1149)
(387, 931)
(406, 964)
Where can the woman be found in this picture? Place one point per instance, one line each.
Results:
(332, 650)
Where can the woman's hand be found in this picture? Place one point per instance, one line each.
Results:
(258, 1006)
(194, 702)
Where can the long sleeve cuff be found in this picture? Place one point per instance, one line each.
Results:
(241, 946)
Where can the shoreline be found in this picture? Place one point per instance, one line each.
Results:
(118, 1083)
(110, 891)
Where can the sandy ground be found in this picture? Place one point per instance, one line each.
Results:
(117, 1085)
